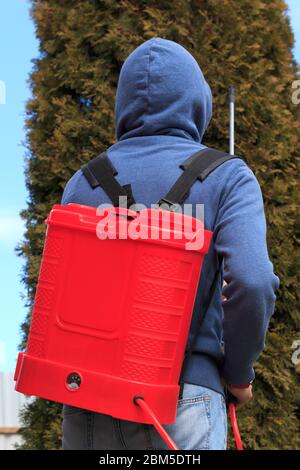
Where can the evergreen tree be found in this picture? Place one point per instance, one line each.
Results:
(70, 119)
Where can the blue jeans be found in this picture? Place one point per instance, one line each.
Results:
(201, 424)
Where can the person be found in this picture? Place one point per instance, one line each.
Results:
(163, 107)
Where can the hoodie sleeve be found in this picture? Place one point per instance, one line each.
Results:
(251, 283)
(69, 193)
(65, 199)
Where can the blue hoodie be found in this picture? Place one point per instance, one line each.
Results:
(163, 107)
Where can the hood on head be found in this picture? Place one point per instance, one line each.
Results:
(162, 91)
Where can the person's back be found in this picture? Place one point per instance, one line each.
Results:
(163, 107)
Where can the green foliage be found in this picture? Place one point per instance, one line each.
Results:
(70, 119)
(41, 425)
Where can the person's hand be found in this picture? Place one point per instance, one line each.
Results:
(242, 395)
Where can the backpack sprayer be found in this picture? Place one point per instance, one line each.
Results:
(112, 312)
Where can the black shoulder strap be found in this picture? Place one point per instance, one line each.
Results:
(100, 172)
(190, 346)
(198, 166)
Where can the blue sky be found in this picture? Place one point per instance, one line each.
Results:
(18, 46)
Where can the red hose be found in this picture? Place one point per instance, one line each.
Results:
(168, 440)
(235, 428)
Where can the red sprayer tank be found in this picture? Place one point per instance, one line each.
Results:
(111, 315)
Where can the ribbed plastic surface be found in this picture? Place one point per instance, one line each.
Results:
(111, 316)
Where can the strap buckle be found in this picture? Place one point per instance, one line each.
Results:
(172, 206)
